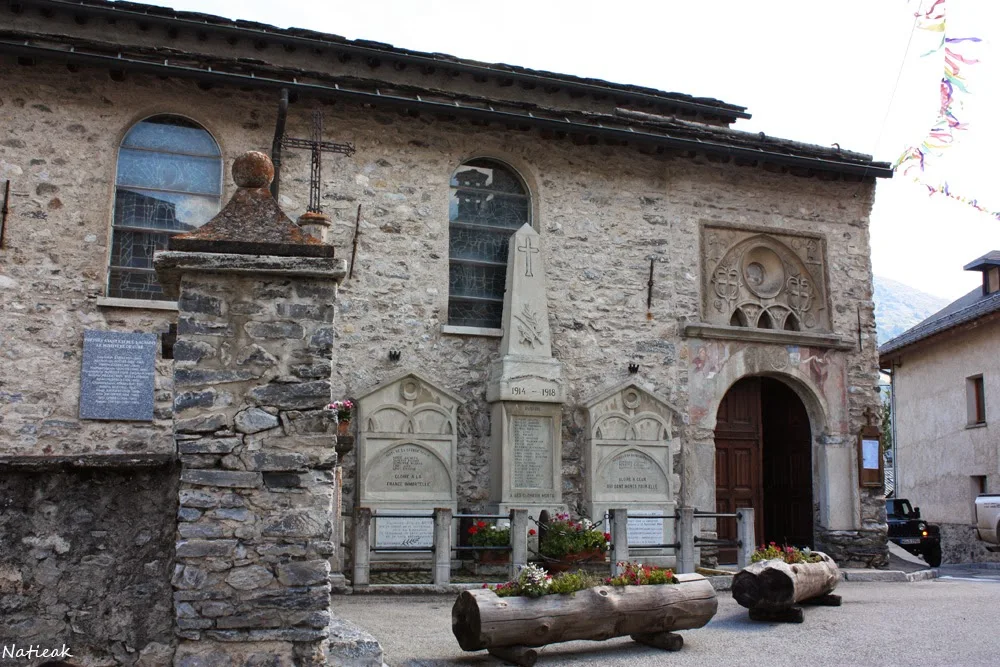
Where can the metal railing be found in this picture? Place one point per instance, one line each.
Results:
(685, 529)
(441, 547)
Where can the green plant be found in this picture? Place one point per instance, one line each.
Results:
(637, 574)
(571, 582)
(533, 581)
(483, 534)
(563, 537)
(786, 553)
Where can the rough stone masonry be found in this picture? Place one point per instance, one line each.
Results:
(257, 487)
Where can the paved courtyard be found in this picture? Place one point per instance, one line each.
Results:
(950, 621)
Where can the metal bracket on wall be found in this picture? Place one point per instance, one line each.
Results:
(5, 210)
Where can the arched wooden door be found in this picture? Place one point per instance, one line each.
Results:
(763, 459)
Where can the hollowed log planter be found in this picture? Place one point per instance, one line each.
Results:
(509, 627)
(773, 589)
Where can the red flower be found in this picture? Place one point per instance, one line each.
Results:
(607, 537)
(532, 532)
(481, 524)
(473, 530)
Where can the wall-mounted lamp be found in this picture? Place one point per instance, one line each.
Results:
(633, 368)
(394, 355)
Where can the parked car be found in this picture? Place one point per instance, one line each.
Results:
(988, 517)
(909, 531)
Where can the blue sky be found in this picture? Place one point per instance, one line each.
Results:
(815, 72)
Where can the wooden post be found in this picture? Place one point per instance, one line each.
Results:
(745, 536)
(362, 537)
(442, 545)
(518, 541)
(685, 535)
(619, 538)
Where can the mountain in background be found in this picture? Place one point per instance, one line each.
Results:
(898, 307)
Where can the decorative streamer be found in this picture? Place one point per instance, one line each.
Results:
(942, 132)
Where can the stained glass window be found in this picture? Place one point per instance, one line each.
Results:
(169, 181)
(488, 204)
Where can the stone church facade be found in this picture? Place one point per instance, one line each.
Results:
(719, 279)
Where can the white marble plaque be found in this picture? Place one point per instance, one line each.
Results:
(643, 530)
(407, 469)
(532, 452)
(635, 474)
(417, 532)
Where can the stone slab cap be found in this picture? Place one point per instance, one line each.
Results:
(251, 223)
(171, 265)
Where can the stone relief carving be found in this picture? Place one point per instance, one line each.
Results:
(763, 280)
(407, 450)
(632, 446)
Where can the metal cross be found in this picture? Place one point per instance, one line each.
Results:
(317, 146)
(528, 251)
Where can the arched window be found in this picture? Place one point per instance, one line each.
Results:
(488, 204)
(169, 181)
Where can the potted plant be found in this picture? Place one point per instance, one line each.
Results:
(645, 602)
(483, 534)
(566, 543)
(342, 411)
(780, 577)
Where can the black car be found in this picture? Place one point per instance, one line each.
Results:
(909, 531)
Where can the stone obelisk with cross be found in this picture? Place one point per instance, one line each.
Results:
(526, 390)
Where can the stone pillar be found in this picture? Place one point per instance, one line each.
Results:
(257, 486)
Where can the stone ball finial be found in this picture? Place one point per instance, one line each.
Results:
(253, 169)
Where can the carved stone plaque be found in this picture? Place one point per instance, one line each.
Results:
(635, 474)
(116, 382)
(532, 452)
(407, 468)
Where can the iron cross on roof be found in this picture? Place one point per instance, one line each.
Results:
(316, 147)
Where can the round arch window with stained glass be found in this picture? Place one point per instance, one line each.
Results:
(169, 181)
(489, 202)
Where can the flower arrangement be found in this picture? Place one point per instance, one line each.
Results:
(565, 537)
(786, 553)
(482, 534)
(636, 574)
(533, 581)
(343, 408)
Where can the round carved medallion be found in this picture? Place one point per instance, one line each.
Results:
(409, 389)
(763, 272)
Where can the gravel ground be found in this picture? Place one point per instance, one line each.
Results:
(944, 622)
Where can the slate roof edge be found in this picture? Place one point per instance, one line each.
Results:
(209, 22)
(933, 326)
(675, 132)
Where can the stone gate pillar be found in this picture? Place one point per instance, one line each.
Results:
(252, 366)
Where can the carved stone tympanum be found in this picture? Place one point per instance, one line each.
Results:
(764, 280)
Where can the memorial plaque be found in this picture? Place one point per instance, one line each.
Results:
(633, 473)
(532, 452)
(116, 382)
(407, 469)
(643, 530)
(417, 532)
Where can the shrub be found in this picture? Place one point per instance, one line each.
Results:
(786, 553)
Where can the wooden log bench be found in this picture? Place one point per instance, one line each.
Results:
(510, 628)
(773, 590)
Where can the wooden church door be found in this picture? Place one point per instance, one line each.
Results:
(738, 459)
(763, 459)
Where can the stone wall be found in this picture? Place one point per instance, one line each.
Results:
(604, 211)
(85, 561)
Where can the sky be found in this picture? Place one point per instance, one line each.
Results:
(849, 72)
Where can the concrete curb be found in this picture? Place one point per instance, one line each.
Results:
(888, 575)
